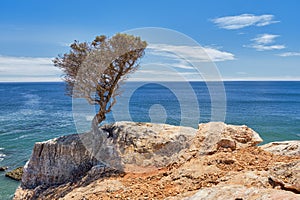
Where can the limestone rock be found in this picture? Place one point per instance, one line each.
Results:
(239, 192)
(57, 161)
(70, 157)
(286, 176)
(217, 135)
(15, 174)
(143, 146)
(159, 161)
(287, 148)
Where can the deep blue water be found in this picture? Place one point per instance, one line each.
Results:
(31, 112)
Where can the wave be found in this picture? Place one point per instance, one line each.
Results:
(2, 156)
(22, 136)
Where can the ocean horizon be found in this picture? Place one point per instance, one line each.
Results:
(38, 111)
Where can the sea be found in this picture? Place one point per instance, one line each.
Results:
(33, 112)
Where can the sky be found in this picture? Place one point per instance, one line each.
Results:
(245, 40)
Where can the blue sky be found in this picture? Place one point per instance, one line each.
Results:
(253, 40)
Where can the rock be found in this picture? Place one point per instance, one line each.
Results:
(57, 161)
(286, 148)
(214, 136)
(15, 174)
(70, 157)
(159, 161)
(102, 187)
(240, 192)
(3, 168)
(255, 178)
(286, 176)
(143, 146)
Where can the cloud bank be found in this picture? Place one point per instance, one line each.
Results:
(27, 69)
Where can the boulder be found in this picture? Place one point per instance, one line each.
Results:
(15, 174)
(3, 168)
(286, 148)
(214, 136)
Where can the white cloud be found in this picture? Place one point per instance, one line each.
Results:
(287, 54)
(191, 53)
(19, 69)
(244, 20)
(265, 39)
(260, 47)
(263, 43)
(165, 62)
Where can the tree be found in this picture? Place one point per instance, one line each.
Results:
(95, 70)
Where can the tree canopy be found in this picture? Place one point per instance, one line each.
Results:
(95, 70)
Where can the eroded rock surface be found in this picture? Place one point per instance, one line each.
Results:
(68, 158)
(286, 148)
(57, 161)
(286, 176)
(159, 161)
(215, 135)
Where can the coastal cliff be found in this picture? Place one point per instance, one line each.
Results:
(159, 161)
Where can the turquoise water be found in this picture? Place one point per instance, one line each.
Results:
(31, 112)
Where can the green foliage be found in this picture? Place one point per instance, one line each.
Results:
(95, 70)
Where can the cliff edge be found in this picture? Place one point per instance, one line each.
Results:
(159, 161)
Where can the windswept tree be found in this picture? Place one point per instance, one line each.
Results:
(95, 70)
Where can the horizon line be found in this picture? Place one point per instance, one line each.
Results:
(224, 80)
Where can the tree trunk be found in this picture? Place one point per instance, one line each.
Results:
(99, 117)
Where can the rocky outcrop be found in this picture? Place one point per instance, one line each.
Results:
(15, 174)
(57, 161)
(286, 148)
(140, 145)
(68, 158)
(159, 161)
